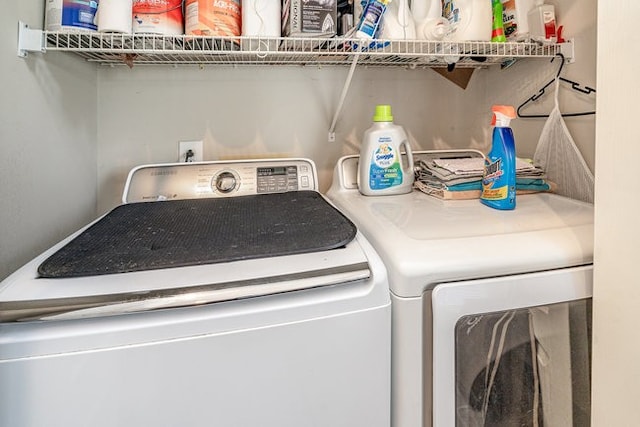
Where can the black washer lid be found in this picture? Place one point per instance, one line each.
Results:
(155, 235)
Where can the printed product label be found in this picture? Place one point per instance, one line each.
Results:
(213, 18)
(317, 19)
(309, 17)
(492, 174)
(157, 16)
(74, 13)
(451, 12)
(509, 19)
(371, 17)
(549, 20)
(385, 170)
(500, 193)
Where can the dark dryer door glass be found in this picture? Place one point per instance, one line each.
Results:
(525, 367)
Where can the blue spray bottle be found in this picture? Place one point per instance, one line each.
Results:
(499, 178)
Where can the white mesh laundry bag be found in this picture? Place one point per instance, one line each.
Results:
(560, 158)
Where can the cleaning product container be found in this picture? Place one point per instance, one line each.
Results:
(470, 20)
(213, 18)
(371, 18)
(381, 170)
(430, 24)
(499, 177)
(158, 17)
(514, 17)
(398, 23)
(497, 30)
(542, 22)
(70, 15)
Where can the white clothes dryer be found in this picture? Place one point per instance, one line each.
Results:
(219, 293)
(491, 310)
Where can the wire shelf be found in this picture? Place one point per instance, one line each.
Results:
(141, 49)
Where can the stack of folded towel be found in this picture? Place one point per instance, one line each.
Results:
(461, 178)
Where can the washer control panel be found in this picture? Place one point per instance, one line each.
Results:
(176, 181)
(278, 178)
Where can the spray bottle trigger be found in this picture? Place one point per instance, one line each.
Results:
(506, 110)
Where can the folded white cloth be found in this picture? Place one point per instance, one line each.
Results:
(470, 166)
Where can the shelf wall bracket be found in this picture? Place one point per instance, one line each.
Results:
(343, 95)
(29, 40)
(567, 49)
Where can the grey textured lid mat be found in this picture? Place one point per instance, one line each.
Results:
(156, 235)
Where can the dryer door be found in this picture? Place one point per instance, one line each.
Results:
(513, 350)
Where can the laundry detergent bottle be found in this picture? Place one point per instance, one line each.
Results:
(397, 23)
(499, 178)
(381, 170)
(470, 20)
(430, 24)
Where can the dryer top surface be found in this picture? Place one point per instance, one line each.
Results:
(424, 240)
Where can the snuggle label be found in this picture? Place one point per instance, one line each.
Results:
(385, 170)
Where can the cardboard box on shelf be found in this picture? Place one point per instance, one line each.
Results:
(309, 18)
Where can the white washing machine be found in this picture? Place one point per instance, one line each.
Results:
(219, 293)
(491, 310)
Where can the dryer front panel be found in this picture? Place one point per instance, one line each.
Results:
(513, 350)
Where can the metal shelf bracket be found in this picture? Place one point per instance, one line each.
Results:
(29, 40)
(568, 51)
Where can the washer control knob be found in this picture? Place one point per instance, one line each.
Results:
(225, 182)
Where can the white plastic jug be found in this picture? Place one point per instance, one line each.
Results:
(430, 24)
(397, 22)
(380, 170)
(470, 20)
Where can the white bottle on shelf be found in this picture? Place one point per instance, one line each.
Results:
(542, 23)
(397, 22)
(430, 24)
(515, 18)
(470, 20)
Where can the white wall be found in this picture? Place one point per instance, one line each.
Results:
(286, 111)
(616, 350)
(269, 111)
(48, 133)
